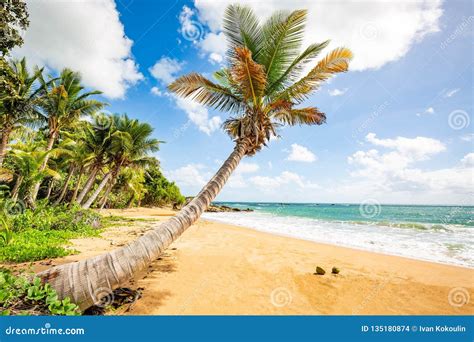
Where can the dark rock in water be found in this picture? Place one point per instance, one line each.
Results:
(214, 208)
(335, 270)
(320, 271)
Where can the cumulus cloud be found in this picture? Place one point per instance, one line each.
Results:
(237, 179)
(199, 115)
(165, 69)
(371, 29)
(337, 92)
(272, 184)
(429, 110)
(188, 175)
(301, 154)
(395, 168)
(86, 36)
(156, 91)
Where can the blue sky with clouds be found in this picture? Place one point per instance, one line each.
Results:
(399, 124)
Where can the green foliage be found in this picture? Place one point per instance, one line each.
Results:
(19, 295)
(43, 232)
(13, 16)
(159, 190)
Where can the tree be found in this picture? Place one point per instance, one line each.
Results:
(18, 100)
(64, 102)
(13, 18)
(261, 88)
(130, 144)
(27, 165)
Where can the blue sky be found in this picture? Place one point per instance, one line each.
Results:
(399, 124)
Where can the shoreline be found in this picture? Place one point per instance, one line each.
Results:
(221, 269)
(339, 246)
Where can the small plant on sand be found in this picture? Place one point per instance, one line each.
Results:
(20, 296)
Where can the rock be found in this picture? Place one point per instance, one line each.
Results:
(335, 270)
(320, 271)
(214, 208)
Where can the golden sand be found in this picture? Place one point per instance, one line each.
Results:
(218, 269)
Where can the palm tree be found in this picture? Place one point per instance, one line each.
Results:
(64, 103)
(27, 164)
(261, 88)
(18, 99)
(130, 145)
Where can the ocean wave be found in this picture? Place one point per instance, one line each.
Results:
(450, 244)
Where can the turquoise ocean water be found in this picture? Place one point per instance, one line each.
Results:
(442, 234)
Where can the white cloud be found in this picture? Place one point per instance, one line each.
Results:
(199, 115)
(468, 137)
(371, 29)
(337, 92)
(188, 175)
(237, 179)
(301, 154)
(272, 184)
(468, 160)
(394, 170)
(165, 69)
(451, 92)
(429, 110)
(86, 36)
(156, 91)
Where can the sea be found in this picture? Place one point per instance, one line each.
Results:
(442, 234)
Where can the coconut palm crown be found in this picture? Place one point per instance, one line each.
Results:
(264, 83)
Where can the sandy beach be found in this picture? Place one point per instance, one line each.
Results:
(220, 269)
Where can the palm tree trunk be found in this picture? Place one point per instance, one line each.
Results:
(86, 281)
(106, 194)
(97, 191)
(16, 188)
(88, 185)
(72, 169)
(50, 188)
(76, 189)
(4, 143)
(52, 138)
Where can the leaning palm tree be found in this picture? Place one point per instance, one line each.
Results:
(261, 88)
(64, 103)
(18, 99)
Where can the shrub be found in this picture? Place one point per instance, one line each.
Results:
(41, 233)
(20, 296)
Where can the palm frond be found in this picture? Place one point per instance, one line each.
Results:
(248, 75)
(336, 61)
(206, 92)
(300, 116)
(292, 73)
(242, 28)
(283, 34)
